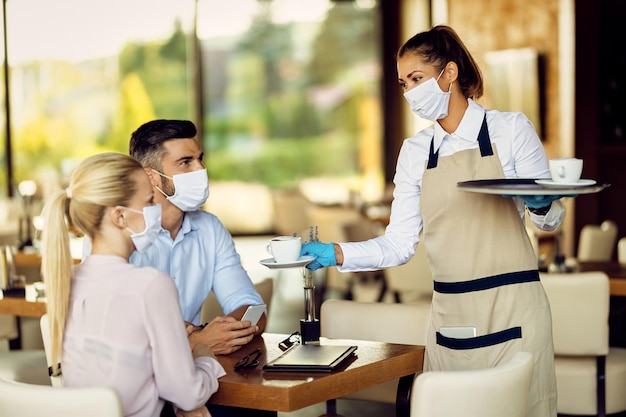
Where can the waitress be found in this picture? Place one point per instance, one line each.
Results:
(483, 264)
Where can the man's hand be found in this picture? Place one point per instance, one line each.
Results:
(223, 335)
(198, 412)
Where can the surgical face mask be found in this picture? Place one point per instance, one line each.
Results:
(428, 101)
(191, 189)
(152, 218)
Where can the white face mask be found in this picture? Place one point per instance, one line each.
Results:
(152, 218)
(191, 189)
(428, 101)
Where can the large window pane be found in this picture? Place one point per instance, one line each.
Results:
(85, 74)
(292, 90)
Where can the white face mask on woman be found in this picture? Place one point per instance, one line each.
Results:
(191, 189)
(428, 101)
(152, 218)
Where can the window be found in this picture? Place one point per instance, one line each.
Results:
(289, 88)
(85, 74)
(292, 90)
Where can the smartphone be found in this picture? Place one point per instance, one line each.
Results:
(254, 313)
(458, 332)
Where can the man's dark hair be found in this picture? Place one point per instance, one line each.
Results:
(146, 143)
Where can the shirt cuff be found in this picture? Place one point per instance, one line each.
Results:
(357, 256)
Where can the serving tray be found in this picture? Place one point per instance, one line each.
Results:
(528, 186)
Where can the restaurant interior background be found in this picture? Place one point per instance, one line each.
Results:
(297, 96)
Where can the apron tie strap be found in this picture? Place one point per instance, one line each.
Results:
(486, 283)
(480, 341)
(484, 143)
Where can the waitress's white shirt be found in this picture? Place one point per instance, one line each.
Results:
(521, 154)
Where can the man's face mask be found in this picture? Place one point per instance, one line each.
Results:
(191, 189)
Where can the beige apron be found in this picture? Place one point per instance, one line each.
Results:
(485, 273)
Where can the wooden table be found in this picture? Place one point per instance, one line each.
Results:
(18, 306)
(288, 391)
(616, 273)
(27, 259)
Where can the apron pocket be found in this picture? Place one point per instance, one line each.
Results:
(480, 341)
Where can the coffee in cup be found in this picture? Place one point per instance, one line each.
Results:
(285, 249)
(566, 170)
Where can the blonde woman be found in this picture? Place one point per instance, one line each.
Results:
(112, 323)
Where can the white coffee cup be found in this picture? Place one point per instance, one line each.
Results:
(566, 170)
(285, 249)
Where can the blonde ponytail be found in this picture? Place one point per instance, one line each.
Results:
(100, 181)
(56, 268)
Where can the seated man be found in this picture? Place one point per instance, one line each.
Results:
(193, 246)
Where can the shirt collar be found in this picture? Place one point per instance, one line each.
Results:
(468, 129)
(188, 225)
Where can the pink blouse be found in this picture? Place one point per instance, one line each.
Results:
(125, 330)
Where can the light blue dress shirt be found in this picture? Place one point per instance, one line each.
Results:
(201, 258)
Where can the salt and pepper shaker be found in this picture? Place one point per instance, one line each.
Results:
(309, 326)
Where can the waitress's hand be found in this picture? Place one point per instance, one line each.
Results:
(324, 254)
(536, 201)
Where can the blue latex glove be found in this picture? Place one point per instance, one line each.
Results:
(324, 254)
(536, 201)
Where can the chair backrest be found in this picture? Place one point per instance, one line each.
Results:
(415, 275)
(44, 323)
(380, 322)
(580, 309)
(621, 251)
(495, 392)
(211, 308)
(18, 399)
(8, 329)
(597, 243)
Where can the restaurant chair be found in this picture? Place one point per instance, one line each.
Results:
(412, 281)
(19, 399)
(20, 365)
(211, 307)
(494, 392)
(364, 285)
(55, 380)
(621, 251)
(8, 330)
(290, 212)
(597, 243)
(379, 322)
(330, 222)
(590, 375)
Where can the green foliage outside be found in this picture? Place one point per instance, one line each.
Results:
(261, 122)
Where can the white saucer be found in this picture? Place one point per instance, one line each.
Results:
(579, 183)
(271, 262)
